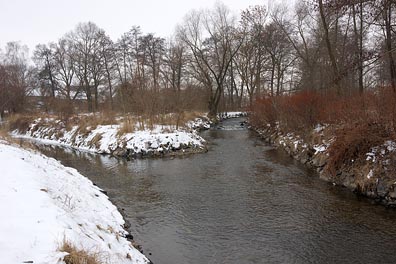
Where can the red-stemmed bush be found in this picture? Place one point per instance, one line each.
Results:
(359, 121)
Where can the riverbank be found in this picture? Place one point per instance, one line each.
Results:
(371, 174)
(52, 212)
(126, 137)
(349, 138)
(176, 206)
(121, 137)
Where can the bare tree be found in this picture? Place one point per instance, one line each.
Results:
(87, 57)
(211, 38)
(14, 74)
(109, 63)
(127, 49)
(300, 30)
(65, 70)
(153, 49)
(252, 55)
(388, 9)
(358, 29)
(329, 46)
(43, 56)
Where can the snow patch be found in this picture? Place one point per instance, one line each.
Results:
(44, 203)
(226, 115)
(319, 128)
(319, 148)
(381, 151)
(199, 123)
(370, 174)
(105, 139)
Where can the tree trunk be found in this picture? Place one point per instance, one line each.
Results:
(109, 83)
(51, 77)
(278, 78)
(336, 77)
(359, 44)
(272, 77)
(388, 31)
(88, 94)
(89, 100)
(215, 100)
(96, 97)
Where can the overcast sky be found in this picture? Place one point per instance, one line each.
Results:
(42, 21)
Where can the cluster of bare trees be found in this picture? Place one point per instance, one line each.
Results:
(345, 45)
(14, 78)
(217, 60)
(138, 73)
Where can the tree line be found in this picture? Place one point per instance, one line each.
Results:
(214, 61)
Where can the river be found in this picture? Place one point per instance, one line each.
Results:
(242, 202)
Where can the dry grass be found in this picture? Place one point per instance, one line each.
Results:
(20, 122)
(23, 121)
(4, 133)
(78, 256)
(352, 143)
(128, 125)
(86, 123)
(176, 119)
(96, 140)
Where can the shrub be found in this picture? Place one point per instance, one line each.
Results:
(359, 121)
(300, 112)
(176, 120)
(86, 123)
(127, 126)
(297, 113)
(20, 122)
(353, 142)
(264, 112)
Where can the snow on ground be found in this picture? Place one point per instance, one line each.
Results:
(296, 144)
(107, 138)
(319, 148)
(199, 123)
(370, 174)
(226, 115)
(381, 151)
(44, 203)
(319, 128)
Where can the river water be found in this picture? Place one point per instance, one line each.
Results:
(242, 202)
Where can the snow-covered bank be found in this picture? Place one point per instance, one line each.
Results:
(313, 153)
(44, 203)
(114, 139)
(227, 115)
(111, 139)
(371, 174)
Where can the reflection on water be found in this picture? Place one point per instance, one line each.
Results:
(242, 202)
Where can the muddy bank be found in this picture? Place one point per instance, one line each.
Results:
(371, 175)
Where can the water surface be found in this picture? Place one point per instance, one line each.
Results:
(242, 202)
